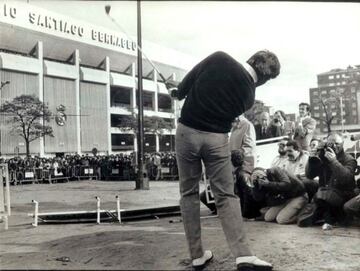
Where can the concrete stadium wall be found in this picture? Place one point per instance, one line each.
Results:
(60, 91)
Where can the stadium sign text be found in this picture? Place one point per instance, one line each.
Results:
(51, 23)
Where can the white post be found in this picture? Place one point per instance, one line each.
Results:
(98, 210)
(36, 213)
(7, 190)
(118, 208)
(6, 222)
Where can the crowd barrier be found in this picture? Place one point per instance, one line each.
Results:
(77, 172)
(166, 172)
(37, 175)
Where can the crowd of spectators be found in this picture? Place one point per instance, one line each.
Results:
(312, 180)
(103, 167)
(301, 130)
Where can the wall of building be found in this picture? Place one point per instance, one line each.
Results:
(345, 84)
(57, 92)
(93, 117)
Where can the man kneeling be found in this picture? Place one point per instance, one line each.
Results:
(282, 192)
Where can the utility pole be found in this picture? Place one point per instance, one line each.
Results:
(142, 181)
(341, 114)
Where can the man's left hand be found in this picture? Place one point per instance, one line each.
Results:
(330, 154)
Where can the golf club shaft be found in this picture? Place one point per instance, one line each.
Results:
(138, 47)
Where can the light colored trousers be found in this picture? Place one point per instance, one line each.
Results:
(192, 146)
(287, 212)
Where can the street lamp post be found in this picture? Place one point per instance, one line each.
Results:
(341, 114)
(142, 182)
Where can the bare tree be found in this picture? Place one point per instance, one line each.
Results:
(332, 108)
(27, 116)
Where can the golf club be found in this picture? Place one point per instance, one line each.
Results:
(107, 10)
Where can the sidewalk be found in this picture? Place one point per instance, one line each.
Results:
(157, 244)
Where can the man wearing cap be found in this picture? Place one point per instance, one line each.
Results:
(217, 90)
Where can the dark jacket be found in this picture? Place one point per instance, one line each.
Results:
(275, 130)
(338, 174)
(282, 185)
(217, 90)
(260, 134)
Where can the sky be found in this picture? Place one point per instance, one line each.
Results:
(308, 37)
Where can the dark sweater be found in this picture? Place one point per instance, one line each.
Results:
(217, 90)
(284, 183)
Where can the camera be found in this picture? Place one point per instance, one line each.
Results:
(276, 120)
(320, 152)
(237, 158)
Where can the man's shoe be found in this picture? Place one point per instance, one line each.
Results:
(306, 216)
(252, 263)
(327, 227)
(200, 263)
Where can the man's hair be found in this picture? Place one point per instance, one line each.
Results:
(282, 113)
(237, 158)
(315, 139)
(266, 65)
(264, 115)
(333, 134)
(307, 106)
(294, 144)
(285, 139)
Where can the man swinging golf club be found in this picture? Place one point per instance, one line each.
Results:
(217, 90)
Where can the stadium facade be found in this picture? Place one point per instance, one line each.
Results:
(87, 76)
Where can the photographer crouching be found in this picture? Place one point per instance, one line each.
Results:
(335, 170)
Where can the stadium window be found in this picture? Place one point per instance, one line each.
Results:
(331, 76)
(148, 99)
(122, 142)
(120, 96)
(164, 103)
(121, 121)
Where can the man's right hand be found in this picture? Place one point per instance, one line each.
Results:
(172, 88)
